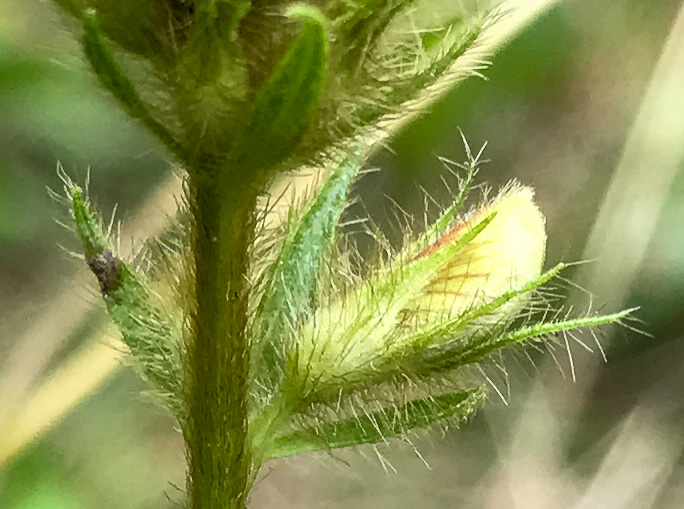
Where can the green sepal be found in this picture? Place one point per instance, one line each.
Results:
(524, 335)
(293, 276)
(87, 227)
(373, 427)
(398, 286)
(440, 335)
(442, 347)
(285, 104)
(115, 80)
(409, 95)
(447, 217)
(151, 337)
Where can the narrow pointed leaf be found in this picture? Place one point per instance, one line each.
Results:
(539, 330)
(286, 103)
(378, 426)
(145, 329)
(460, 347)
(444, 331)
(294, 274)
(452, 211)
(491, 339)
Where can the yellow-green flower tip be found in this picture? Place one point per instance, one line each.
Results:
(508, 253)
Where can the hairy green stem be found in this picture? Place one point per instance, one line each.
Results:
(220, 464)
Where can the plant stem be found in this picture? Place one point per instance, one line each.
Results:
(220, 464)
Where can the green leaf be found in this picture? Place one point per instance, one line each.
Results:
(402, 98)
(115, 80)
(465, 341)
(369, 428)
(87, 227)
(294, 274)
(493, 338)
(449, 329)
(285, 105)
(147, 331)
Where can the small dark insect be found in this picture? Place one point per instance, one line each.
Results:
(107, 270)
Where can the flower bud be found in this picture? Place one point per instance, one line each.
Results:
(498, 248)
(508, 253)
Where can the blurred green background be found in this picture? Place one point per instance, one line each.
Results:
(556, 110)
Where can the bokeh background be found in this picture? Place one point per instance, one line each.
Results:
(586, 105)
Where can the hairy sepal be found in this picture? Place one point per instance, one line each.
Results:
(359, 29)
(539, 332)
(403, 83)
(380, 425)
(441, 347)
(449, 215)
(291, 281)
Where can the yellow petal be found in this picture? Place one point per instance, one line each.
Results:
(508, 253)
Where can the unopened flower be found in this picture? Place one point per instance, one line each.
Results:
(508, 253)
(498, 248)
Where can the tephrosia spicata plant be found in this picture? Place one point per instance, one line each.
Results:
(270, 340)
